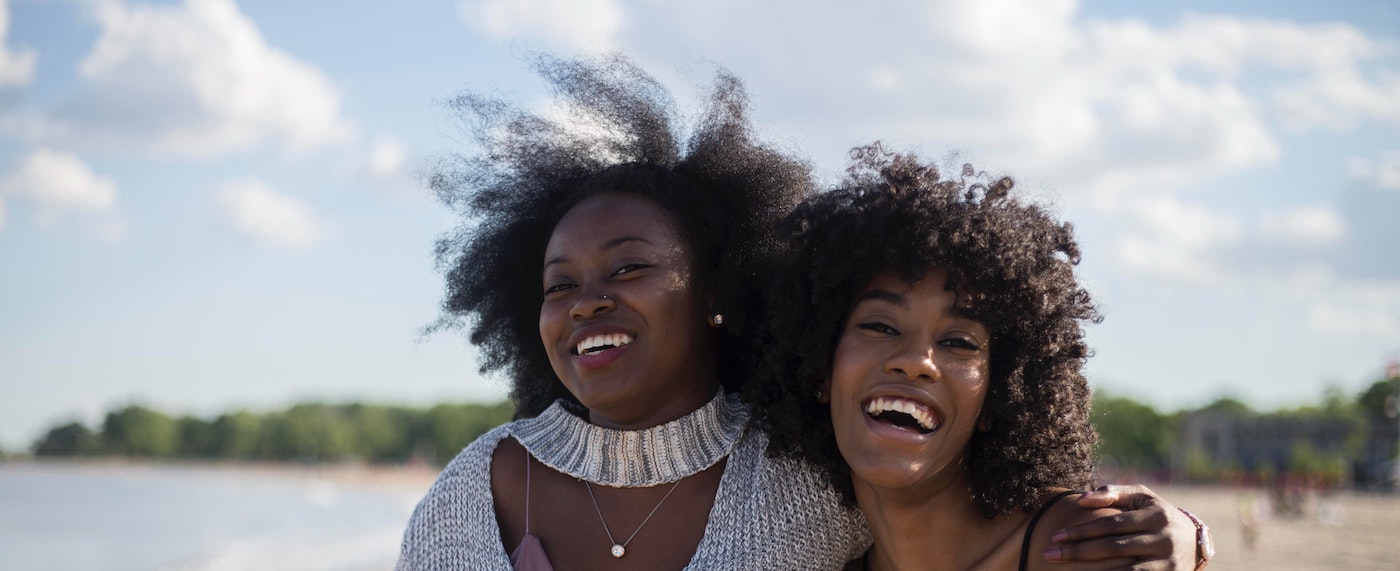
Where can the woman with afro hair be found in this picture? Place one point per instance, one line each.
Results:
(605, 266)
(609, 265)
(925, 349)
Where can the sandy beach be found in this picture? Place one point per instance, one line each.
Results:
(1346, 531)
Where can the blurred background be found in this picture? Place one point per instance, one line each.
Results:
(216, 254)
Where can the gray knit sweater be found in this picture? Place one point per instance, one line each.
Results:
(768, 514)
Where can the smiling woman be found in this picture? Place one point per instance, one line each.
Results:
(608, 274)
(938, 323)
(613, 291)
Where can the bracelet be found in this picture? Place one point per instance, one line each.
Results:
(1205, 542)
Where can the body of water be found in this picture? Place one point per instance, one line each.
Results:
(97, 517)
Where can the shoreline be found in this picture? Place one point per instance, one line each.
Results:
(393, 478)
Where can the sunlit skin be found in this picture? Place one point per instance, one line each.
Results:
(911, 342)
(624, 247)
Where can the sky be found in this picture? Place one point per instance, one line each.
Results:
(209, 205)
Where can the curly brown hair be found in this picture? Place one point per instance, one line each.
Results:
(896, 214)
(724, 191)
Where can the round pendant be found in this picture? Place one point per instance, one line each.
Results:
(618, 551)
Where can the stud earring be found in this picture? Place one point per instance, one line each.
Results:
(717, 320)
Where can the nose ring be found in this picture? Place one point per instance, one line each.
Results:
(605, 296)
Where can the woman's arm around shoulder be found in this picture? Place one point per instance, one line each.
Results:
(1043, 554)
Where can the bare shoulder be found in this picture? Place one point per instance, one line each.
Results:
(507, 468)
(1064, 513)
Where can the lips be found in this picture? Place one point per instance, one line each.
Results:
(598, 346)
(903, 414)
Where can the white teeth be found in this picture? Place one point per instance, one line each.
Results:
(595, 341)
(921, 413)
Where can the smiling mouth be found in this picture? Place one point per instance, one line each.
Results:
(903, 413)
(600, 343)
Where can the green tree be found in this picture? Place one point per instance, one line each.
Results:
(381, 432)
(1229, 406)
(1372, 401)
(196, 438)
(138, 431)
(238, 435)
(1132, 433)
(450, 427)
(72, 439)
(312, 432)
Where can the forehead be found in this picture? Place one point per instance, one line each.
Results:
(934, 282)
(931, 290)
(604, 217)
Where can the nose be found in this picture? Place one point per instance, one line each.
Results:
(592, 305)
(914, 361)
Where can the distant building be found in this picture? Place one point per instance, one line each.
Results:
(1270, 443)
(1375, 465)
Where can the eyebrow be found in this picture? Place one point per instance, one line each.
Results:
(610, 244)
(899, 300)
(884, 295)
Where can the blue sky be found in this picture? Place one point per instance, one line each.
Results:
(207, 204)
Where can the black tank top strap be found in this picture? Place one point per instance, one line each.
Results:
(1030, 527)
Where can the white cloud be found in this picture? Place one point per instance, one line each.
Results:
(195, 79)
(1388, 172)
(387, 157)
(1174, 240)
(1097, 107)
(56, 181)
(1350, 307)
(1333, 317)
(1384, 171)
(1304, 226)
(886, 79)
(589, 25)
(273, 219)
(16, 68)
(60, 188)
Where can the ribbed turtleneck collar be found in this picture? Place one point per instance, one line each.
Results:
(634, 458)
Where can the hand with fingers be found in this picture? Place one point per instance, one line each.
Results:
(1161, 536)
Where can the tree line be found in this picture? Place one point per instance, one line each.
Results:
(309, 432)
(1132, 435)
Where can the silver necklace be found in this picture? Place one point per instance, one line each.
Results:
(618, 550)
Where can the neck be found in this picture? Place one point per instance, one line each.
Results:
(903, 521)
(659, 410)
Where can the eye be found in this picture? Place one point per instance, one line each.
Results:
(556, 288)
(877, 328)
(629, 268)
(961, 345)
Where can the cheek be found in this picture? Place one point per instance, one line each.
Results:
(849, 365)
(973, 382)
(549, 328)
